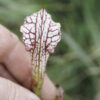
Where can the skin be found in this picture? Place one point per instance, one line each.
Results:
(15, 71)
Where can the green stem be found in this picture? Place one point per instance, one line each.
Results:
(37, 83)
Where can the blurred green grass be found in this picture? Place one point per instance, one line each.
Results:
(76, 62)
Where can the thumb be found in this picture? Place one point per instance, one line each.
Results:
(12, 91)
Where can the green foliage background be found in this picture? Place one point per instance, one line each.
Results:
(76, 62)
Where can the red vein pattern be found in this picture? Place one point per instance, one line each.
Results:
(40, 35)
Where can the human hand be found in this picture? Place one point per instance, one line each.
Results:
(15, 71)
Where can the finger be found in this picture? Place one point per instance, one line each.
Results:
(18, 62)
(14, 56)
(48, 90)
(4, 73)
(12, 91)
